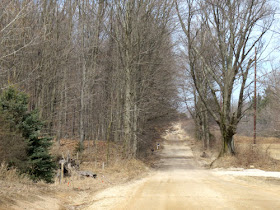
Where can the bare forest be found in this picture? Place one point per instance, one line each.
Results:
(120, 86)
(224, 42)
(93, 69)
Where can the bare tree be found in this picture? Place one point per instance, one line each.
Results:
(94, 69)
(234, 29)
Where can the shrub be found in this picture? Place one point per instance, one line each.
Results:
(12, 146)
(39, 163)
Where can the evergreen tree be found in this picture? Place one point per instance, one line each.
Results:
(12, 145)
(39, 162)
(14, 106)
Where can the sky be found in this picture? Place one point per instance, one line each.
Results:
(269, 59)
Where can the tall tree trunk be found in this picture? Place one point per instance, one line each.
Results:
(134, 145)
(83, 79)
(127, 114)
(82, 101)
(128, 77)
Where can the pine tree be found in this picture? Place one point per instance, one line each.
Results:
(40, 161)
(40, 165)
(14, 106)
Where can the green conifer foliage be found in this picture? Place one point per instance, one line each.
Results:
(14, 106)
(40, 165)
(40, 161)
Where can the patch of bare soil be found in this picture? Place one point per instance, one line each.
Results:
(203, 157)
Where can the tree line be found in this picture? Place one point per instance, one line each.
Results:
(219, 44)
(93, 69)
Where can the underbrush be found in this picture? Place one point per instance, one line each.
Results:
(106, 159)
(102, 159)
(12, 175)
(259, 139)
(248, 156)
(254, 156)
(16, 186)
(17, 189)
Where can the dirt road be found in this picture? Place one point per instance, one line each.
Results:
(179, 183)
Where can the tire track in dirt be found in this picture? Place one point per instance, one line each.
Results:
(179, 183)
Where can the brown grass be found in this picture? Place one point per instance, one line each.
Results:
(117, 171)
(263, 156)
(94, 156)
(12, 175)
(259, 140)
(19, 189)
(249, 156)
(16, 187)
(75, 190)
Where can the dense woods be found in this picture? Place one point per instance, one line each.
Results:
(93, 69)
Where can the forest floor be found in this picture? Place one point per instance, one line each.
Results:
(179, 179)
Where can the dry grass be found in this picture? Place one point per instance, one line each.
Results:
(11, 175)
(131, 168)
(265, 155)
(253, 155)
(75, 190)
(260, 140)
(93, 158)
(249, 156)
(18, 189)
(92, 148)
(117, 171)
